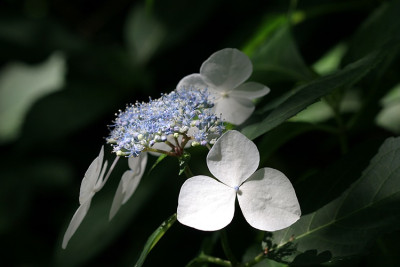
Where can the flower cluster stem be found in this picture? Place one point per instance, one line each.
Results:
(206, 258)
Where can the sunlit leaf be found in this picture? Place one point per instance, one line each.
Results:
(330, 62)
(389, 117)
(22, 85)
(345, 226)
(321, 111)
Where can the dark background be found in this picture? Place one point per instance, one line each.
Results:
(62, 132)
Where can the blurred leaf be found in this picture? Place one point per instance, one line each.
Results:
(330, 62)
(21, 86)
(321, 111)
(345, 226)
(389, 117)
(144, 34)
(381, 26)
(311, 92)
(155, 237)
(270, 24)
(278, 57)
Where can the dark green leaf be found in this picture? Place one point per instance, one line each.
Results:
(312, 92)
(381, 26)
(154, 238)
(278, 58)
(345, 226)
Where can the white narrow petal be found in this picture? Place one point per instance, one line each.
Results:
(205, 204)
(138, 162)
(120, 193)
(226, 69)
(89, 180)
(100, 182)
(76, 220)
(192, 81)
(250, 90)
(233, 158)
(131, 180)
(234, 109)
(268, 200)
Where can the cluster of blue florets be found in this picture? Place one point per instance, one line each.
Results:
(181, 112)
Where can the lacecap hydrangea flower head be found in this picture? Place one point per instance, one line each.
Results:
(224, 74)
(184, 112)
(266, 197)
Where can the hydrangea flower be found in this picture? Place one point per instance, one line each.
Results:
(266, 197)
(224, 73)
(185, 111)
(92, 182)
(129, 182)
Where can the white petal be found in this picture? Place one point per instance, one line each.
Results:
(250, 90)
(129, 182)
(233, 109)
(192, 81)
(226, 69)
(205, 204)
(137, 163)
(76, 220)
(120, 193)
(91, 176)
(132, 181)
(233, 158)
(268, 200)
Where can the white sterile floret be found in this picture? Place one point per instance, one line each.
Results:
(224, 74)
(266, 197)
(92, 182)
(129, 182)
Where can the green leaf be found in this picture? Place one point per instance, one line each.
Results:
(21, 86)
(382, 26)
(278, 58)
(330, 62)
(312, 92)
(388, 118)
(144, 34)
(282, 134)
(154, 238)
(345, 226)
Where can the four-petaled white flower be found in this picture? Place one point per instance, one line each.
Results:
(224, 73)
(266, 197)
(92, 182)
(129, 182)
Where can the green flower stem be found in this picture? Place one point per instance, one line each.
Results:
(227, 249)
(169, 153)
(209, 259)
(256, 260)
